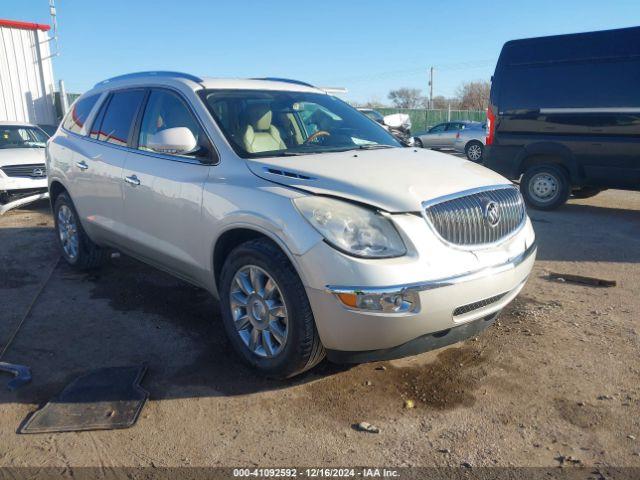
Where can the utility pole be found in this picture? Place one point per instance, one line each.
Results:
(431, 88)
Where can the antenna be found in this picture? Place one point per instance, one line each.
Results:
(54, 24)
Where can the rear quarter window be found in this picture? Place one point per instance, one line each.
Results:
(116, 121)
(76, 118)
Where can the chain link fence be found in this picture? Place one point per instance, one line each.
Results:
(422, 118)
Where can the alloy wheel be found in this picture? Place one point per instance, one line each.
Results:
(259, 312)
(68, 232)
(474, 152)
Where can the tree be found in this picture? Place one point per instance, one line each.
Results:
(406, 97)
(373, 103)
(474, 95)
(440, 102)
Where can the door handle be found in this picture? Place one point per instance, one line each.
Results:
(132, 180)
(82, 165)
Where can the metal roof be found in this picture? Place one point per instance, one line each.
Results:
(23, 25)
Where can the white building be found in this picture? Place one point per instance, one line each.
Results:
(26, 74)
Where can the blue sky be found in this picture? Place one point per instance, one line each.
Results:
(370, 47)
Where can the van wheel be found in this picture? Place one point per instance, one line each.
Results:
(586, 192)
(76, 247)
(545, 187)
(266, 312)
(474, 151)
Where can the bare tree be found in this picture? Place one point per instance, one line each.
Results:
(474, 95)
(406, 97)
(372, 103)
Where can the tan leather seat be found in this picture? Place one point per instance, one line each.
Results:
(260, 135)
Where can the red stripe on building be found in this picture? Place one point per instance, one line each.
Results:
(24, 25)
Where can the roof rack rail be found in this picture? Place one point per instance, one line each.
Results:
(285, 80)
(158, 73)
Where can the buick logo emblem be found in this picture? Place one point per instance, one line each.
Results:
(37, 172)
(492, 214)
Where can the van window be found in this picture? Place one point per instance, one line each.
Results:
(594, 83)
(74, 122)
(167, 110)
(118, 117)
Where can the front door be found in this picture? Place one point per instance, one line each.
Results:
(434, 137)
(163, 188)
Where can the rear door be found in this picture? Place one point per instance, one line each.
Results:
(449, 136)
(163, 190)
(98, 161)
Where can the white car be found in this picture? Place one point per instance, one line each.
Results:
(22, 161)
(316, 231)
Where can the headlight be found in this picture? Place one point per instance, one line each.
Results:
(355, 230)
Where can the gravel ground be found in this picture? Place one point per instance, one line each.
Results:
(555, 381)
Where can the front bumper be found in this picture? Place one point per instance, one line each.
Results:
(18, 184)
(445, 305)
(424, 343)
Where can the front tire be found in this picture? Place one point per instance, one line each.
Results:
(545, 187)
(266, 312)
(418, 142)
(474, 151)
(76, 247)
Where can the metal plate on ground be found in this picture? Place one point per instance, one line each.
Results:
(104, 399)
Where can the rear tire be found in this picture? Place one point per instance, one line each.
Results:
(545, 187)
(76, 247)
(586, 192)
(474, 151)
(246, 311)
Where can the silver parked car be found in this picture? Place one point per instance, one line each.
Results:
(471, 141)
(318, 233)
(442, 135)
(22, 161)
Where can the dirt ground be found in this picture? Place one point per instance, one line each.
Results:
(557, 376)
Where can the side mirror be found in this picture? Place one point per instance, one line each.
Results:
(173, 141)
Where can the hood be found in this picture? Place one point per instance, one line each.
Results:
(394, 179)
(21, 156)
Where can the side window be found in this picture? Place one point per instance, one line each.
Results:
(78, 115)
(315, 117)
(169, 127)
(116, 121)
(437, 128)
(454, 126)
(97, 121)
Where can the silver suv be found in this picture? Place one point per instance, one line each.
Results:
(317, 231)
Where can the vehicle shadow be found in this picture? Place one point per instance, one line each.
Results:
(577, 233)
(124, 314)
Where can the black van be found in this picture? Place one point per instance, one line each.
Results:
(564, 114)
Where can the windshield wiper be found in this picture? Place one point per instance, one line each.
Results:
(373, 146)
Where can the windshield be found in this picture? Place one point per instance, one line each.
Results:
(260, 123)
(16, 136)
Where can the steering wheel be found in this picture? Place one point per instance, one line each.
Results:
(313, 137)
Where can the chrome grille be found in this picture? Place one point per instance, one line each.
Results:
(31, 170)
(465, 219)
